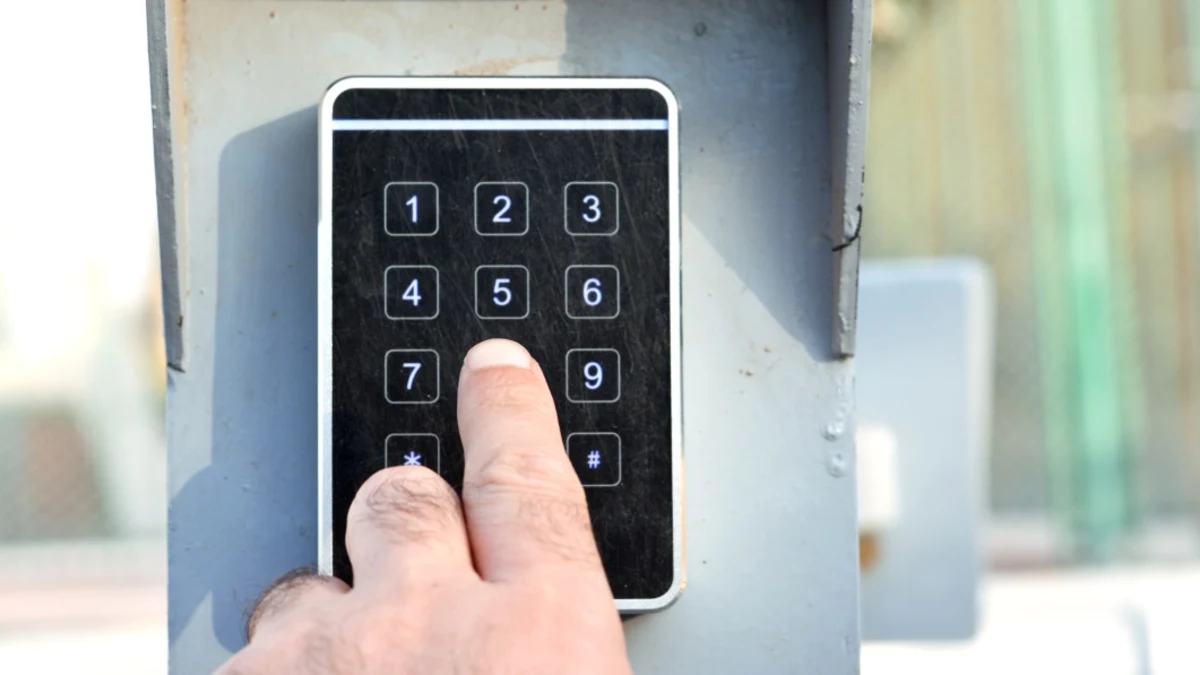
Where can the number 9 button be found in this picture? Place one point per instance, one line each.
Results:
(593, 375)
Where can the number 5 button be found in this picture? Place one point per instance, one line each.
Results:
(502, 291)
(593, 291)
(593, 375)
(410, 292)
(411, 376)
(591, 208)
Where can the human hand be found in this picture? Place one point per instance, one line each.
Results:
(506, 581)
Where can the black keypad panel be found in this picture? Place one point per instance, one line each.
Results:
(541, 216)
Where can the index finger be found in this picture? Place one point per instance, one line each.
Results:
(525, 507)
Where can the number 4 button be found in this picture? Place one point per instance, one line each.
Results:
(410, 292)
(593, 291)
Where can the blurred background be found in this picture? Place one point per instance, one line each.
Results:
(1052, 142)
(82, 455)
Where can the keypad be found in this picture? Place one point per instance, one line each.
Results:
(503, 291)
(546, 217)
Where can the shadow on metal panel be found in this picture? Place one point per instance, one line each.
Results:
(260, 490)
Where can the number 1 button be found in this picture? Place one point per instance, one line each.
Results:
(410, 209)
(411, 376)
(501, 209)
(593, 375)
(410, 292)
(592, 208)
(502, 291)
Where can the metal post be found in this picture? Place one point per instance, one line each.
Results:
(773, 98)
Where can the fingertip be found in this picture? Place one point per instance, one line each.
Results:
(497, 353)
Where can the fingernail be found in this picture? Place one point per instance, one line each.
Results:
(495, 353)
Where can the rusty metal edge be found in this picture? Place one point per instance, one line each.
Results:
(170, 250)
(849, 86)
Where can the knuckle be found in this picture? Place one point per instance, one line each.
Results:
(279, 595)
(516, 468)
(407, 500)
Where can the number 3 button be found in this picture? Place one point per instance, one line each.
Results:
(593, 291)
(593, 375)
(591, 208)
(502, 291)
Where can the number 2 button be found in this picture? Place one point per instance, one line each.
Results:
(593, 375)
(411, 292)
(592, 208)
(502, 291)
(411, 376)
(593, 291)
(501, 209)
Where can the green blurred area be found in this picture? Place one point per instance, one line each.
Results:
(1056, 140)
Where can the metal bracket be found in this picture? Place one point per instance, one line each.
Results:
(849, 85)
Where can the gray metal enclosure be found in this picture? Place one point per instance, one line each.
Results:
(773, 97)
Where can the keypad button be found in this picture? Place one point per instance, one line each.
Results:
(411, 209)
(413, 450)
(502, 291)
(411, 376)
(592, 208)
(411, 292)
(593, 375)
(501, 208)
(596, 458)
(593, 291)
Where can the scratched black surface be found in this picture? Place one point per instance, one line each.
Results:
(632, 521)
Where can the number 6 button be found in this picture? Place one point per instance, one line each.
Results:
(411, 376)
(593, 375)
(502, 291)
(591, 208)
(593, 291)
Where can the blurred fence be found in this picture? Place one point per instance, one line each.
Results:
(1057, 141)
